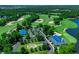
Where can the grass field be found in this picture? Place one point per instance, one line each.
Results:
(69, 39)
(65, 24)
(4, 29)
(46, 20)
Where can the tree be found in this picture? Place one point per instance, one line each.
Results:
(2, 22)
(7, 49)
(4, 35)
(67, 49)
(56, 21)
(40, 48)
(77, 35)
(32, 50)
(36, 49)
(40, 38)
(40, 25)
(27, 36)
(24, 23)
(1, 48)
(23, 50)
(27, 52)
(19, 26)
(46, 28)
(50, 31)
(45, 47)
(13, 37)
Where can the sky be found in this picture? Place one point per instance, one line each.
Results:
(39, 2)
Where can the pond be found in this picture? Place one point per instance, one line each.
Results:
(74, 33)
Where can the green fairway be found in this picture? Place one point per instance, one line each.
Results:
(46, 20)
(65, 24)
(4, 29)
(68, 24)
(70, 39)
(43, 16)
(54, 16)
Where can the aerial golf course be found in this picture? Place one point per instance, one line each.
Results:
(39, 30)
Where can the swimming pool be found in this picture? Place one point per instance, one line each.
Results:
(57, 40)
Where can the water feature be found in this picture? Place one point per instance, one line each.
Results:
(74, 33)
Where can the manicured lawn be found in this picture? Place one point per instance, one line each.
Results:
(65, 24)
(7, 28)
(43, 16)
(68, 24)
(69, 38)
(34, 24)
(54, 16)
(46, 20)
(59, 29)
(4, 29)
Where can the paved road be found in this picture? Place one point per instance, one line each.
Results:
(15, 47)
(51, 45)
(30, 34)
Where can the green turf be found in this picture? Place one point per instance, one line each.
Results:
(44, 17)
(54, 16)
(70, 39)
(46, 20)
(65, 24)
(68, 24)
(4, 29)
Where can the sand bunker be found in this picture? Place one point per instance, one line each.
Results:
(32, 46)
(20, 19)
(39, 20)
(10, 23)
